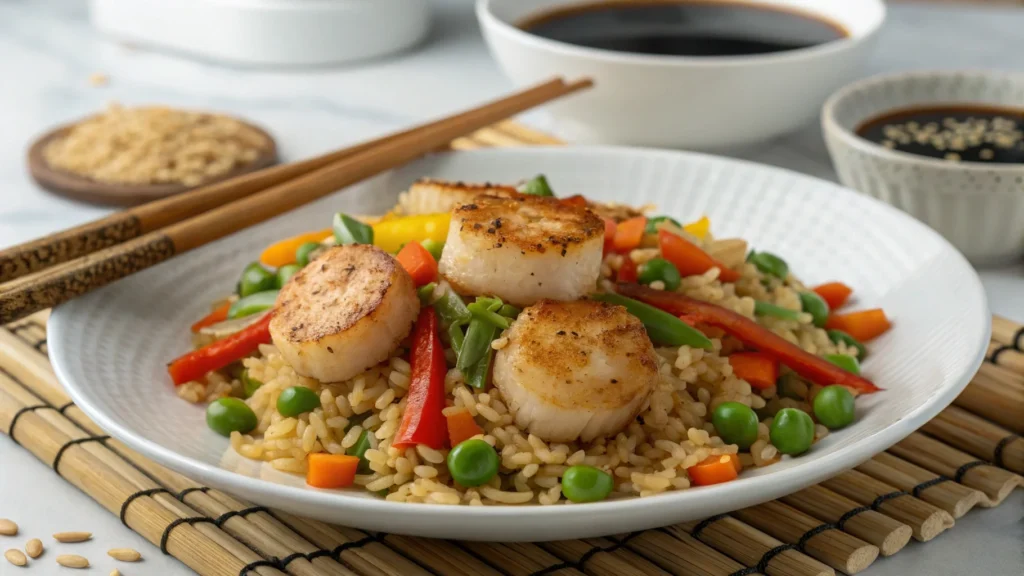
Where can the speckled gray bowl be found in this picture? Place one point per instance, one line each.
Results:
(978, 207)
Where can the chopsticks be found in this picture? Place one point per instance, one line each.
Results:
(43, 275)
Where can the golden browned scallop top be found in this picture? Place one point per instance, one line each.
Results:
(594, 354)
(533, 224)
(616, 212)
(342, 286)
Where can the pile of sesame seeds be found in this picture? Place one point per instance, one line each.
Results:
(951, 134)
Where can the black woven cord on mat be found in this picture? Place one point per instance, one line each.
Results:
(139, 494)
(170, 527)
(705, 523)
(801, 544)
(994, 358)
(997, 453)
(1016, 338)
(22, 412)
(850, 514)
(762, 564)
(65, 407)
(60, 452)
(594, 551)
(257, 564)
(959, 476)
(181, 495)
(916, 490)
(885, 498)
(220, 520)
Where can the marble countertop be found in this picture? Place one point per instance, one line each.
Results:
(48, 53)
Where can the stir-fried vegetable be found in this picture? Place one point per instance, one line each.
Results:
(659, 270)
(478, 310)
(662, 328)
(816, 306)
(848, 363)
(331, 470)
(457, 337)
(758, 369)
(285, 273)
(256, 278)
(461, 427)
(509, 311)
(537, 186)
(835, 293)
(769, 263)
(715, 470)
(586, 484)
(452, 309)
(435, 247)
(766, 309)
(652, 224)
(834, 407)
(473, 462)
(609, 234)
(391, 234)
(478, 374)
(426, 293)
(219, 314)
(478, 339)
(284, 251)
(576, 200)
(628, 272)
(304, 253)
(751, 334)
(792, 431)
(736, 423)
(689, 259)
(249, 384)
(252, 304)
(418, 262)
(864, 326)
(423, 421)
(227, 415)
(297, 400)
(838, 336)
(217, 355)
(699, 228)
(629, 234)
(348, 230)
(359, 451)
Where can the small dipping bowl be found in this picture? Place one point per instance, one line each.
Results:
(977, 206)
(695, 102)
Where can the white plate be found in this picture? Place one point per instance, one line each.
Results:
(110, 348)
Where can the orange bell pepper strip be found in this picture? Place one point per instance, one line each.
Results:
(751, 334)
(423, 421)
(689, 259)
(282, 253)
(758, 369)
(629, 234)
(834, 293)
(715, 470)
(331, 470)
(864, 325)
(219, 314)
(461, 427)
(418, 262)
(217, 355)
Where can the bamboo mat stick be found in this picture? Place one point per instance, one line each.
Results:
(611, 560)
(1007, 332)
(441, 556)
(890, 536)
(750, 546)
(954, 498)
(929, 453)
(1005, 357)
(834, 547)
(961, 429)
(519, 558)
(993, 395)
(683, 555)
(926, 520)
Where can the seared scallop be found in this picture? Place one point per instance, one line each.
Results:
(430, 196)
(346, 311)
(573, 370)
(523, 249)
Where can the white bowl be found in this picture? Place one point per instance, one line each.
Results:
(684, 102)
(110, 347)
(978, 207)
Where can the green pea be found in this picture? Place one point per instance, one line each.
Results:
(435, 247)
(586, 484)
(284, 273)
(297, 400)
(769, 263)
(736, 423)
(249, 384)
(652, 223)
(659, 269)
(838, 336)
(348, 230)
(848, 363)
(359, 451)
(834, 407)
(816, 306)
(252, 304)
(256, 278)
(304, 252)
(792, 431)
(537, 186)
(473, 462)
(227, 415)
(766, 309)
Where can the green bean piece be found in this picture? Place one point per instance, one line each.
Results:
(435, 247)
(791, 385)
(285, 273)
(657, 269)
(537, 186)
(492, 318)
(256, 278)
(476, 344)
(305, 252)
(662, 327)
(509, 311)
(457, 336)
(473, 462)
(792, 431)
(848, 363)
(227, 415)
(249, 384)
(492, 304)
(586, 484)
(769, 263)
(838, 336)
(834, 407)
(426, 293)
(348, 230)
(452, 309)
(816, 306)
(297, 400)
(359, 451)
(652, 223)
(252, 304)
(766, 309)
(479, 374)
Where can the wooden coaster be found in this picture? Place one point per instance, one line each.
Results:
(88, 190)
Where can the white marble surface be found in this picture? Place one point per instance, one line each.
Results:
(48, 52)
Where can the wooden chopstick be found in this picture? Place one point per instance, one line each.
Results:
(66, 245)
(62, 282)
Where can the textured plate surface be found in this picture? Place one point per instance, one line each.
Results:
(110, 348)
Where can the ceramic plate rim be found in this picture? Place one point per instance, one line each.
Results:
(747, 492)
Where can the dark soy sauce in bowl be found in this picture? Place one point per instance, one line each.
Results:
(684, 28)
(957, 133)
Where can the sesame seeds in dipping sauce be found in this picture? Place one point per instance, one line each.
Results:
(955, 133)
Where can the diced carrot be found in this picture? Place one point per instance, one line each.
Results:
(577, 200)
(758, 369)
(629, 234)
(715, 470)
(220, 314)
(462, 427)
(864, 325)
(283, 252)
(628, 272)
(834, 293)
(689, 259)
(418, 262)
(331, 470)
(609, 234)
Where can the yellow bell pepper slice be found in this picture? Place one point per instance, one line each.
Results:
(282, 253)
(389, 235)
(700, 228)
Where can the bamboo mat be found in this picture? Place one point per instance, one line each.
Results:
(970, 455)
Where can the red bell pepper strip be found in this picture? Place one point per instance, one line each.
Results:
(690, 259)
(220, 314)
(423, 421)
(217, 355)
(628, 272)
(752, 334)
(577, 200)
(609, 235)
